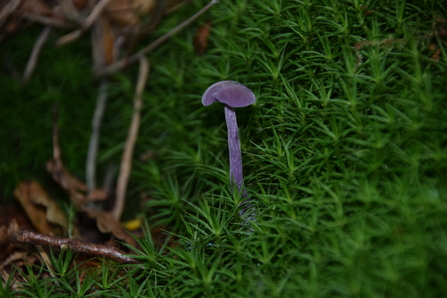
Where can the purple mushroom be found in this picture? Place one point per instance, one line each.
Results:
(233, 95)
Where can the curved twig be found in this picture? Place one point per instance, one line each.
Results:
(126, 61)
(126, 161)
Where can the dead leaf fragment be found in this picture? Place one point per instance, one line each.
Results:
(37, 214)
(127, 12)
(40, 208)
(107, 224)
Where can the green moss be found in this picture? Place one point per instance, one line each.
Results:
(345, 159)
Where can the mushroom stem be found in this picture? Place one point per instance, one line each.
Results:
(234, 148)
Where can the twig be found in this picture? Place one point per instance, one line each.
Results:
(43, 20)
(9, 8)
(57, 168)
(85, 25)
(126, 61)
(94, 138)
(98, 35)
(95, 13)
(70, 37)
(69, 10)
(126, 161)
(104, 220)
(28, 236)
(35, 53)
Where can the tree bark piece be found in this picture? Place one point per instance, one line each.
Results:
(98, 250)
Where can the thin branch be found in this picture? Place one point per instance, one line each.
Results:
(42, 19)
(95, 13)
(85, 25)
(70, 37)
(98, 250)
(126, 161)
(57, 168)
(69, 10)
(9, 8)
(126, 61)
(35, 53)
(90, 175)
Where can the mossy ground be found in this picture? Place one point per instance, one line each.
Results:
(345, 160)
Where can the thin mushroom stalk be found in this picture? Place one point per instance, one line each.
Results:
(233, 95)
(234, 149)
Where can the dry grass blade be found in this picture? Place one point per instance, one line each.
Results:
(9, 8)
(94, 138)
(35, 53)
(94, 15)
(126, 161)
(76, 190)
(43, 19)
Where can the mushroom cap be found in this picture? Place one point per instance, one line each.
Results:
(232, 93)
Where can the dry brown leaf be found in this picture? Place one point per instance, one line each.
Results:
(62, 176)
(54, 213)
(33, 197)
(127, 12)
(107, 224)
(37, 214)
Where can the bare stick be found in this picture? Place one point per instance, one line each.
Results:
(98, 250)
(95, 13)
(69, 11)
(126, 161)
(72, 36)
(42, 19)
(88, 22)
(124, 62)
(9, 8)
(35, 53)
(90, 172)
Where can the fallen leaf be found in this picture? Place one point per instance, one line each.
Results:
(62, 176)
(37, 214)
(128, 12)
(107, 224)
(44, 213)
